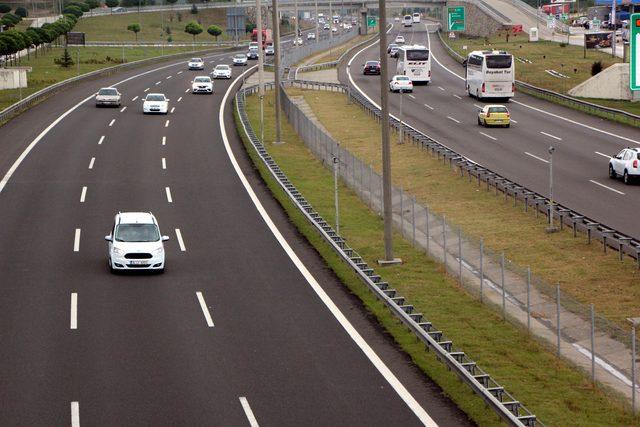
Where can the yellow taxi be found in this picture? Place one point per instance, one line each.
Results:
(494, 115)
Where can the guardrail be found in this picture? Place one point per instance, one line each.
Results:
(34, 98)
(578, 104)
(494, 395)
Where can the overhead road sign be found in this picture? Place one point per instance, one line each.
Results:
(456, 18)
(371, 21)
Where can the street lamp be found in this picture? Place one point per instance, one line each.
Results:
(551, 228)
(635, 322)
(276, 66)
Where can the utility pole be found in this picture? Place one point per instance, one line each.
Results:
(260, 67)
(296, 28)
(386, 146)
(276, 67)
(613, 22)
(317, 24)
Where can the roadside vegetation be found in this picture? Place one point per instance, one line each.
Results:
(555, 392)
(335, 53)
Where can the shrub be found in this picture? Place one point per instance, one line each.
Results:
(65, 60)
(21, 12)
(563, 44)
(596, 67)
(5, 8)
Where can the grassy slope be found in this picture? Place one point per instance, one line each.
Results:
(559, 395)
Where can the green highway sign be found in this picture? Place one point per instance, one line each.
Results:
(565, 16)
(455, 18)
(634, 39)
(371, 21)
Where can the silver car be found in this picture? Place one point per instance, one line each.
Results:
(108, 96)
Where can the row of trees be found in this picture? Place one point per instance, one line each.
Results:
(192, 28)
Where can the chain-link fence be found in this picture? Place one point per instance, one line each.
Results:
(589, 340)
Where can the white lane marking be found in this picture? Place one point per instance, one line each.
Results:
(205, 309)
(457, 96)
(101, 140)
(479, 107)
(73, 323)
(168, 77)
(83, 194)
(607, 187)
(452, 119)
(158, 82)
(180, 241)
(393, 381)
(166, 124)
(513, 121)
(147, 89)
(179, 99)
(179, 72)
(441, 88)
(76, 241)
(164, 163)
(248, 412)
(134, 98)
(411, 96)
(168, 191)
(536, 157)
(488, 136)
(164, 140)
(187, 91)
(603, 155)
(173, 109)
(75, 414)
(91, 162)
(123, 109)
(557, 138)
(7, 176)
(428, 106)
(112, 122)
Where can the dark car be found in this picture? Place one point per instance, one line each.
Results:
(371, 67)
(391, 46)
(394, 51)
(252, 54)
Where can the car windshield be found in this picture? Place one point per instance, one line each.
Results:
(418, 55)
(202, 79)
(196, 60)
(222, 67)
(240, 56)
(155, 98)
(498, 61)
(402, 78)
(137, 233)
(497, 109)
(111, 92)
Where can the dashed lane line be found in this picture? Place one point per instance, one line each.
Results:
(73, 322)
(164, 163)
(428, 106)
(205, 309)
(91, 162)
(557, 138)
(607, 187)
(123, 109)
(134, 98)
(168, 191)
(536, 157)
(83, 194)
(76, 241)
(603, 155)
(488, 136)
(452, 119)
(75, 414)
(101, 140)
(112, 122)
(164, 140)
(166, 124)
(253, 422)
(180, 241)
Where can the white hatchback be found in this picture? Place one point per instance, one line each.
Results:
(240, 59)
(222, 71)
(399, 39)
(202, 84)
(135, 243)
(196, 64)
(625, 164)
(400, 83)
(155, 103)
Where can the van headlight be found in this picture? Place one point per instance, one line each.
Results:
(158, 251)
(118, 251)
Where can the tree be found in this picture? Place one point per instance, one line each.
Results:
(194, 9)
(36, 37)
(5, 8)
(21, 12)
(65, 60)
(112, 3)
(171, 2)
(92, 3)
(214, 30)
(81, 5)
(194, 29)
(73, 10)
(10, 20)
(248, 28)
(135, 28)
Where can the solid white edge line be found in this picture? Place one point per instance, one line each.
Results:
(75, 414)
(76, 241)
(607, 367)
(91, 162)
(164, 140)
(248, 412)
(7, 176)
(73, 323)
(536, 157)
(602, 154)
(607, 187)
(488, 136)
(557, 138)
(205, 309)
(164, 163)
(180, 241)
(101, 140)
(83, 194)
(393, 381)
(112, 122)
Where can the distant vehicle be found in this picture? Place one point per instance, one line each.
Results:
(253, 45)
(396, 19)
(196, 64)
(407, 21)
(326, 27)
(222, 71)
(399, 39)
(416, 18)
(202, 84)
(391, 46)
(394, 51)
(119, 9)
(135, 243)
(155, 103)
(334, 29)
(494, 115)
(371, 67)
(240, 59)
(415, 63)
(253, 53)
(267, 37)
(269, 50)
(400, 84)
(336, 19)
(625, 164)
(297, 41)
(311, 36)
(108, 96)
(490, 74)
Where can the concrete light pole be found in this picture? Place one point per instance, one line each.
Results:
(317, 24)
(400, 140)
(276, 67)
(260, 67)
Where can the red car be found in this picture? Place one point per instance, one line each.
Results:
(371, 67)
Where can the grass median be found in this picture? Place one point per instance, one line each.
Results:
(556, 393)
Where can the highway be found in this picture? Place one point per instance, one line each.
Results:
(247, 325)
(583, 143)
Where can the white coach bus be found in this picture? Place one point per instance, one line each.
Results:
(490, 74)
(415, 63)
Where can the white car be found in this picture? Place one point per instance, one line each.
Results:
(625, 164)
(269, 50)
(202, 84)
(399, 39)
(222, 71)
(155, 103)
(135, 243)
(196, 64)
(400, 83)
(108, 96)
(311, 36)
(297, 41)
(334, 29)
(240, 59)
(396, 19)
(326, 27)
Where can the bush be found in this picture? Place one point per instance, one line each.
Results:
(194, 9)
(167, 29)
(179, 15)
(65, 60)
(169, 39)
(596, 67)
(5, 8)
(112, 3)
(73, 10)
(21, 12)
(92, 3)
(563, 44)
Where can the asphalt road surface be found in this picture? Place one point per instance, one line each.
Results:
(583, 143)
(232, 334)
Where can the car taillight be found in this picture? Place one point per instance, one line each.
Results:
(635, 164)
(513, 87)
(483, 90)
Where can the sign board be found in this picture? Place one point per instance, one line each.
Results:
(75, 38)
(551, 22)
(452, 35)
(565, 17)
(516, 28)
(455, 18)
(634, 42)
(371, 21)
(597, 40)
(533, 34)
(595, 24)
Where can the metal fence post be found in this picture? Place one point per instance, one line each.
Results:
(371, 185)
(633, 370)
(460, 254)
(529, 299)
(444, 242)
(558, 317)
(401, 211)
(428, 234)
(413, 220)
(593, 345)
(481, 270)
(504, 299)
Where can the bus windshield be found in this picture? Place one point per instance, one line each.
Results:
(418, 55)
(498, 61)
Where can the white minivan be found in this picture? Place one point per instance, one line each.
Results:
(407, 21)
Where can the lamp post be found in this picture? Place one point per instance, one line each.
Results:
(635, 322)
(551, 228)
(260, 66)
(317, 32)
(276, 66)
(400, 129)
